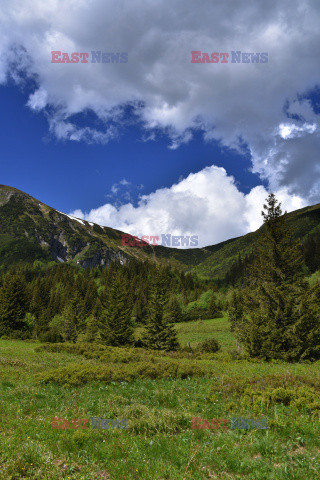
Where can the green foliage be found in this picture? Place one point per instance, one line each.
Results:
(56, 326)
(74, 348)
(235, 308)
(92, 334)
(115, 326)
(159, 442)
(306, 331)
(205, 307)
(73, 321)
(211, 345)
(13, 304)
(61, 299)
(76, 375)
(213, 307)
(140, 309)
(304, 399)
(107, 354)
(271, 325)
(262, 393)
(159, 333)
(173, 310)
(22, 250)
(29, 321)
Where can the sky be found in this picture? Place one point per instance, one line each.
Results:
(155, 143)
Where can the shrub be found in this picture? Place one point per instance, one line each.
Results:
(109, 354)
(75, 374)
(261, 393)
(75, 348)
(210, 345)
(302, 398)
(19, 335)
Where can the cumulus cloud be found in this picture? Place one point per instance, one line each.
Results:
(260, 107)
(207, 204)
(234, 104)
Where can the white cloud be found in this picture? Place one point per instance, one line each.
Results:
(260, 105)
(207, 204)
(255, 200)
(290, 130)
(38, 100)
(116, 187)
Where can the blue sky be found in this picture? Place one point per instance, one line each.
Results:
(160, 144)
(68, 175)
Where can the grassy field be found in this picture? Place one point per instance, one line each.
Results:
(195, 332)
(159, 443)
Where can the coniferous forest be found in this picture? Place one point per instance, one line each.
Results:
(61, 303)
(167, 351)
(273, 310)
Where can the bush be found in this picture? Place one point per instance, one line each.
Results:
(305, 399)
(210, 345)
(109, 354)
(75, 374)
(49, 336)
(262, 393)
(19, 335)
(75, 348)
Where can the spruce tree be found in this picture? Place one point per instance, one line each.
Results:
(140, 311)
(159, 333)
(276, 285)
(68, 328)
(213, 308)
(13, 303)
(92, 333)
(306, 330)
(97, 309)
(173, 311)
(235, 309)
(115, 325)
(74, 319)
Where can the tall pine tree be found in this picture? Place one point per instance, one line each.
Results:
(276, 285)
(13, 304)
(159, 333)
(115, 324)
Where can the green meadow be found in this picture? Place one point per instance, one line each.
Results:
(159, 394)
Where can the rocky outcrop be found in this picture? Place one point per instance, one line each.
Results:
(103, 258)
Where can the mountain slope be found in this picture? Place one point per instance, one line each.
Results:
(31, 230)
(304, 222)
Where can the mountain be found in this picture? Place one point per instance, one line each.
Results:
(305, 224)
(31, 230)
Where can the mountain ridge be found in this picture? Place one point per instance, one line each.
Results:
(31, 230)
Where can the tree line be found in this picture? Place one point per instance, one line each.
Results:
(65, 303)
